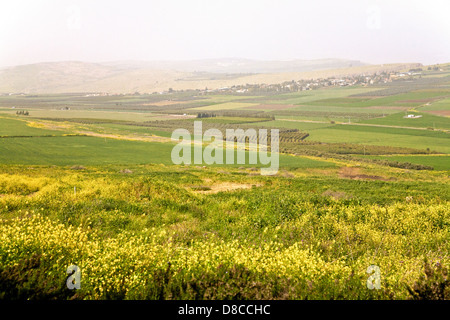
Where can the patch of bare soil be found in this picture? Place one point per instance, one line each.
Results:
(445, 113)
(286, 174)
(223, 186)
(336, 194)
(77, 167)
(355, 174)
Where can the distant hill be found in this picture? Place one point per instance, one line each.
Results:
(148, 77)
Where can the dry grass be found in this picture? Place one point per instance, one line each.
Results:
(223, 187)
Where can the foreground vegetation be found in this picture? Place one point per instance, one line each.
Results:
(158, 232)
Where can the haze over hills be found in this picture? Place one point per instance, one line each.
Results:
(238, 65)
(155, 76)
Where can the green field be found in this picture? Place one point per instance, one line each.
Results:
(437, 106)
(81, 151)
(129, 128)
(301, 125)
(437, 162)
(425, 121)
(13, 127)
(315, 95)
(410, 99)
(397, 137)
(341, 109)
(85, 150)
(93, 115)
(225, 106)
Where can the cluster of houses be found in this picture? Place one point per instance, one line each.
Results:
(303, 85)
(100, 94)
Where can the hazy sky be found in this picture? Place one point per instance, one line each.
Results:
(94, 31)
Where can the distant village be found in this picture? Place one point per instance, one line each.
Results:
(312, 84)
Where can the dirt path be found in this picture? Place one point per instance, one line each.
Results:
(227, 186)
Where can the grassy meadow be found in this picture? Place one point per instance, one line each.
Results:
(158, 232)
(95, 187)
